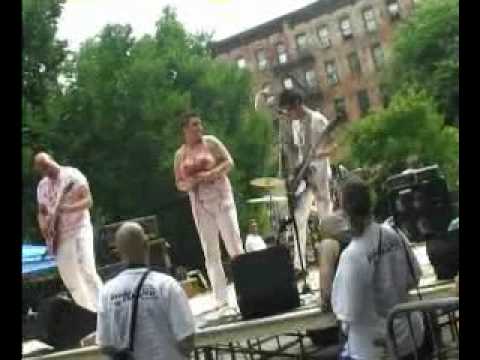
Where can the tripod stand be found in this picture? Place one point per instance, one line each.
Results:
(291, 212)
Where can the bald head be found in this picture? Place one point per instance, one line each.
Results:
(130, 240)
(45, 165)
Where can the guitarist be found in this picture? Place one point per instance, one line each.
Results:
(64, 200)
(300, 131)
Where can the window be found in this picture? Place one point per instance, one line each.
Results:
(331, 70)
(363, 102)
(301, 40)
(377, 55)
(241, 63)
(261, 59)
(311, 78)
(288, 83)
(369, 19)
(340, 108)
(346, 28)
(393, 9)
(323, 37)
(354, 63)
(282, 53)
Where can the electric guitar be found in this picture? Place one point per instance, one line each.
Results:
(302, 171)
(52, 233)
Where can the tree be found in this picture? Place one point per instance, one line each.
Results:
(121, 124)
(426, 51)
(42, 53)
(43, 56)
(409, 130)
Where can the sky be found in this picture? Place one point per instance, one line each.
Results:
(82, 19)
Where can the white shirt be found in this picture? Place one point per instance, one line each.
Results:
(355, 293)
(164, 315)
(254, 242)
(49, 192)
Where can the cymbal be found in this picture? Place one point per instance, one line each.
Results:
(267, 182)
(267, 199)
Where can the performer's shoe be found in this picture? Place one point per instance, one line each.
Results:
(326, 307)
(226, 311)
(221, 305)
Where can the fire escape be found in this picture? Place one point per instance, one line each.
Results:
(292, 66)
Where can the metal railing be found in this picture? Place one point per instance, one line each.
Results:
(293, 59)
(441, 317)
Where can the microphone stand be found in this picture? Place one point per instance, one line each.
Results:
(291, 210)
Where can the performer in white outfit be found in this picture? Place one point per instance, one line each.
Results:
(299, 133)
(253, 241)
(201, 166)
(64, 193)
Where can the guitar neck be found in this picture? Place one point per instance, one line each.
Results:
(308, 159)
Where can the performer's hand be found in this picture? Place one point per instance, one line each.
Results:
(205, 176)
(323, 154)
(43, 210)
(62, 209)
(44, 232)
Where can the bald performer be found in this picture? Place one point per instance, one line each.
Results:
(164, 325)
(74, 247)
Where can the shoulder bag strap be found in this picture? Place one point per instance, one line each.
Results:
(409, 261)
(379, 250)
(133, 320)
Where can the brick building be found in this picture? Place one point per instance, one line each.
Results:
(332, 51)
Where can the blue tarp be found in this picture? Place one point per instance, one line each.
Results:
(35, 260)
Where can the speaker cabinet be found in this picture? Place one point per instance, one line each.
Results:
(265, 282)
(63, 323)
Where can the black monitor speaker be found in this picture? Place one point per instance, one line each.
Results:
(265, 282)
(63, 323)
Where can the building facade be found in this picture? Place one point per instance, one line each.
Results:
(332, 51)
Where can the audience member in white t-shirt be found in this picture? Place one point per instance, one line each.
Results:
(370, 280)
(165, 325)
(254, 242)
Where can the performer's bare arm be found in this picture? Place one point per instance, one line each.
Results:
(84, 200)
(181, 183)
(42, 219)
(326, 151)
(221, 169)
(225, 161)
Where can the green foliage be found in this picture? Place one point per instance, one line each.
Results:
(120, 126)
(410, 132)
(42, 61)
(42, 53)
(426, 51)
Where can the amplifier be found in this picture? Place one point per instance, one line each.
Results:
(420, 202)
(412, 177)
(265, 283)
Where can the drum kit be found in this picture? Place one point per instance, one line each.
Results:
(275, 203)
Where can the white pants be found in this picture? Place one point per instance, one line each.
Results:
(213, 217)
(76, 265)
(318, 189)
